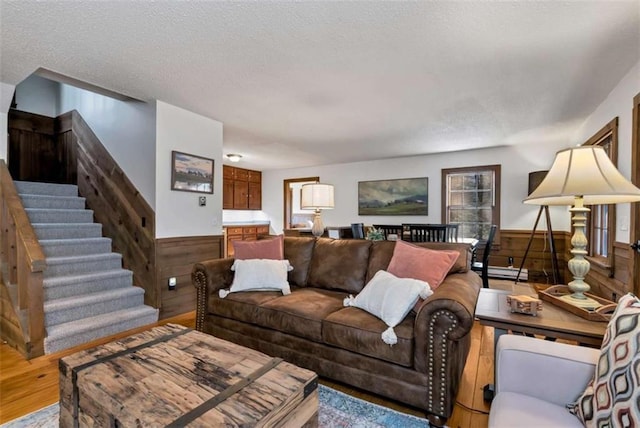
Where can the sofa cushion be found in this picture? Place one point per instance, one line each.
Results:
(613, 395)
(259, 274)
(272, 248)
(300, 313)
(382, 251)
(510, 409)
(390, 298)
(240, 306)
(432, 266)
(339, 264)
(298, 250)
(356, 330)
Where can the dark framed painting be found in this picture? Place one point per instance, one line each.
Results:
(405, 196)
(191, 173)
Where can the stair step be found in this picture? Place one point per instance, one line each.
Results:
(67, 230)
(75, 265)
(49, 189)
(53, 202)
(67, 335)
(75, 246)
(39, 215)
(69, 309)
(74, 285)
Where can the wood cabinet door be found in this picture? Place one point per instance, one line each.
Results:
(240, 195)
(255, 196)
(228, 172)
(227, 194)
(254, 176)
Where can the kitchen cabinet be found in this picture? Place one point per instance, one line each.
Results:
(242, 233)
(241, 189)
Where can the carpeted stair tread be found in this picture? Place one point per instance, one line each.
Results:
(53, 202)
(45, 215)
(67, 230)
(48, 189)
(74, 265)
(67, 335)
(72, 285)
(75, 246)
(69, 309)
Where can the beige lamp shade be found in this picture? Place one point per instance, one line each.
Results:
(584, 171)
(317, 196)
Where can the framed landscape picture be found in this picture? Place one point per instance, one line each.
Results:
(405, 196)
(191, 173)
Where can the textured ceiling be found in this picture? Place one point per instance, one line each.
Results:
(308, 83)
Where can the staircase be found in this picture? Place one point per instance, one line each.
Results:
(87, 294)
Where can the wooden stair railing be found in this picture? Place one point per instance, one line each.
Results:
(23, 262)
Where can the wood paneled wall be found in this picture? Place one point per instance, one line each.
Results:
(514, 243)
(33, 154)
(175, 258)
(612, 283)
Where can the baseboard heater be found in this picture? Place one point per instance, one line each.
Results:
(500, 272)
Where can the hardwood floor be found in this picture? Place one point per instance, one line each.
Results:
(26, 386)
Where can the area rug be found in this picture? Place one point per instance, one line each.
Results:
(336, 410)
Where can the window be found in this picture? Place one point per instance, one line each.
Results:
(601, 221)
(471, 198)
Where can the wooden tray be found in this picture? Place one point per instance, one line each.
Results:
(602, 314)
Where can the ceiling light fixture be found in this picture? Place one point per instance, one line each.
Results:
(234, 157)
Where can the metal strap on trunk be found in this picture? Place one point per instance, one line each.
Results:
(203, 408)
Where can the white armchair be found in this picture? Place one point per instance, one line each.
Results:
(536, 379)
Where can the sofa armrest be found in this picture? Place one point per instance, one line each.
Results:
(208, 277)
(441, 332)
(551, 371)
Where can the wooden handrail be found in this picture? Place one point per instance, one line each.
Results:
(25, 262)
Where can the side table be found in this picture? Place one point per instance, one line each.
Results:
(552, 322)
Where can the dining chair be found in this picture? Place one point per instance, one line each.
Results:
(357, 230)
(427, 232)
(483, 266)
(452, 232)
(390, 229)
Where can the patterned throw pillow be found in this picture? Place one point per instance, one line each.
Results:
(612, 398)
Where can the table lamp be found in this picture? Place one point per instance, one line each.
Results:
(317, 196)
(582, 176)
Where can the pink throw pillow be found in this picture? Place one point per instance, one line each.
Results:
(411, 261)
(272, 249)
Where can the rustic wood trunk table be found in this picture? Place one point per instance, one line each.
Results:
(174, 376)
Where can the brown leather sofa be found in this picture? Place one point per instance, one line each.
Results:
(311, 328)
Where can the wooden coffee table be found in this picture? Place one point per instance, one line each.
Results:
(553, 322)
(172, 376)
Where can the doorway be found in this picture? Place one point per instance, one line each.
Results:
(292, 201)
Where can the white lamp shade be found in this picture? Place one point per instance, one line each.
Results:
(583, 171)
(317, 196)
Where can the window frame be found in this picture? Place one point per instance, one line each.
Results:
(496, 207)
(608, 134)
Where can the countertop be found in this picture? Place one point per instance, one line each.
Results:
(246, 223)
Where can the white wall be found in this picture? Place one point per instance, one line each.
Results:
(126, 129)
(6, 95)
(177, 212)
(38, 95)
(516, 163)
(618, 103)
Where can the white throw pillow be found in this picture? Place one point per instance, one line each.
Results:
(259, 275)
(390, 298)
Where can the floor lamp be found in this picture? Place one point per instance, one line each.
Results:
(582, 176)
(535, 178)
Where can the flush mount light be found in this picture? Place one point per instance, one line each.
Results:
(233, 157)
